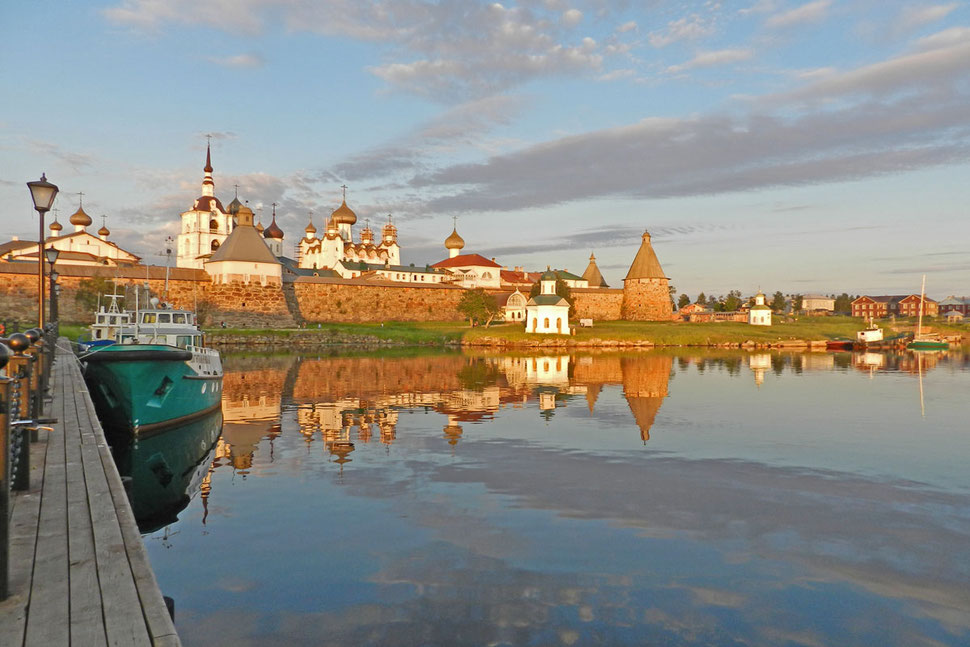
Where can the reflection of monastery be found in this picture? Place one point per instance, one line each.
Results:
(341, 402)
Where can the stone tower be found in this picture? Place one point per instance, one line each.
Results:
(646, 291)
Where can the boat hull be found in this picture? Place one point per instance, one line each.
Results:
(928, 345)
(148, 387)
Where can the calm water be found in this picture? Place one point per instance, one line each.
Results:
(703, 499)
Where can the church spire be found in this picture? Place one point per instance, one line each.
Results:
(208, 186)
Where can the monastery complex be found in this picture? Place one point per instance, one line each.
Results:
(240, 272)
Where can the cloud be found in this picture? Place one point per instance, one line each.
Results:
(945, 38)
(630, 25)
(658, 158)
(913, 17)
(77, 161)
(460, 126)
(448, 51)
(688, 28)
(807, 13)
(933, 68)
(239, 60)
(710, 59)
(762, 6)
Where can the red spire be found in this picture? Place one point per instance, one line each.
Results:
(208, 160)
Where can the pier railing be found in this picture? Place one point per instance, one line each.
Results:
(25, 366)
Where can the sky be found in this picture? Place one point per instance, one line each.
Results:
(804, 147)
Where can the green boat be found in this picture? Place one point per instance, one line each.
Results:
(156, 375)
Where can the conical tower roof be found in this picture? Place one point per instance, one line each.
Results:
(593, 275)
(645, 265)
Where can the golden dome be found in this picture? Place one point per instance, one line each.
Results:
(310, 229)
(259, 227)
(56, 226)
(454, 241)
(104, 231)
(81, 218)
(344, 215)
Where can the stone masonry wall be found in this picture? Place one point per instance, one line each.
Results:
(322, 300)
(599, 304)
(646, 300)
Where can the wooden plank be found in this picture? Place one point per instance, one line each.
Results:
(86, 613)
(48, 619)
(159, 621)
(23, 540)
(124, 622)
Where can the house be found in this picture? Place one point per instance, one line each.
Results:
(472, 271)
(909, 306)
(511, 305)
(518, 279)
(869, 307)
(685, 313)
(547, 312)
(817, 304)
(955, 304)
(571, 280)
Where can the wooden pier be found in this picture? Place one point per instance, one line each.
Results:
(78, 570)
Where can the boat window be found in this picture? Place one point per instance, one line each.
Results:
(148, 317)
(165, 318)
(127, 339)
(183, 341)
(178, 318)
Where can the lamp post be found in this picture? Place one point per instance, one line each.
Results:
(42, 193)
(52, 255)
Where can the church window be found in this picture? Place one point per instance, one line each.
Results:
(214, 246)
(545, 322)
(214, 224)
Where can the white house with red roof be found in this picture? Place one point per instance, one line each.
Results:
(469, 270)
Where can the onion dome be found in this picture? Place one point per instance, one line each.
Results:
(310, 229)
(56, 226)
(234, 206)
(259, 227)
(81, 218)
(344, 215)
(454, 241)
(104, 231)
(273, 231)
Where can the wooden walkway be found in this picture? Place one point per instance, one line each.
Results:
(79, 572)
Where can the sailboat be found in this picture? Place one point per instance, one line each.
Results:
(921, 341)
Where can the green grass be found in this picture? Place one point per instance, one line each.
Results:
(423, 333)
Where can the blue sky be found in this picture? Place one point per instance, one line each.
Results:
(818, 146)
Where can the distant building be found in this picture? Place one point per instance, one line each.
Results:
(244, 257)
(511, 305)
(547, 312)
(950, 304)
(818, 304)
(759, 314)
(646, 290)
(905, 305)
(337, 244)
(594, 278)
(205, 226)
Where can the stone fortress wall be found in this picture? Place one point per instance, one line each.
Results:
(306, 300)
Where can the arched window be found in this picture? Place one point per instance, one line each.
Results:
(545, 323)
(213, 224)
(214, 246)
(558, 324)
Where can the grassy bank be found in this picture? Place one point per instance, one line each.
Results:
(608, 332)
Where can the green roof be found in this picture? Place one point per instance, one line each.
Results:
(547, 300)
(568, 276)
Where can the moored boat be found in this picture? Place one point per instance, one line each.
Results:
(921, 340)
(157, 374)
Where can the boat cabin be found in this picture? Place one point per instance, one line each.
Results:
(163, 326)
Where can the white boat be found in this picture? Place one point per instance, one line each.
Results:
(872, 333)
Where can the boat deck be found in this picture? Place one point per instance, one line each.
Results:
(79, 571)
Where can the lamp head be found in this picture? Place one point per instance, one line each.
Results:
(51, 254)
(42, 193)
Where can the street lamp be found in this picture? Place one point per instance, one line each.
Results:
(42, 193)
(52, 255)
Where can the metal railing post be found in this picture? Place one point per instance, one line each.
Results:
(5, 507)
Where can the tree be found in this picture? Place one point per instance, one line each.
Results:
(796, 302)
(843, 304)
(701, 300)
(562, 290)
(478, 306)
(733, 301)
(684, 300)
(778, 302)
(89, 291)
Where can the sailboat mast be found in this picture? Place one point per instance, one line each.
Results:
(919, 319)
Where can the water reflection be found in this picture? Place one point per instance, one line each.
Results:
(719, 498)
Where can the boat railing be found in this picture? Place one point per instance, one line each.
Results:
(202, 350)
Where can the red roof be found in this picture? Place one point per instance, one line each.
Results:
(519, 278)
(467, 260)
